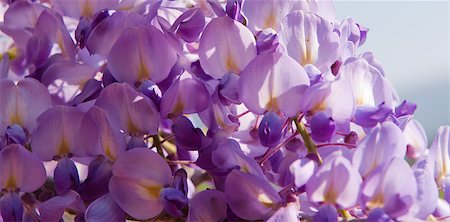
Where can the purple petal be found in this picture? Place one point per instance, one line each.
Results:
(378, 215)
(335, 182)
(64, 130)
(302, 170)
(228, 155)
(134, 113)
(53, 209)
(104, 208)
(392, 187)
(416, 139)
(20, 169)
(369, 116)
(208, 205)
(66, 176)
(322, 127)
(326, 213)
(270, 129)
(22, 103)
(76, 9)
(134, 187)
(148, 56)
(16, 134)
(96, 182)
(186, 136)
(11, 207)
(223, 52)
(440, 148)
(428, 193)
(249, 196)
(106, 33)
(309, 39)
(369, 86)
(111, 140)
(270, 82)
(190, 24)
(266, 14)
(174, 201)
(380, 145)
(178, 98)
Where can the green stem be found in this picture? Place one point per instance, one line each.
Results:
(157, 144)
(309, 143)
(345, 214)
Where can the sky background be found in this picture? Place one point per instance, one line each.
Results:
(411, 41)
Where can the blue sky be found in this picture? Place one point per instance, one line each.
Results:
(411, 40)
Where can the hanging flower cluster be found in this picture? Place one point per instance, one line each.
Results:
(206, 110)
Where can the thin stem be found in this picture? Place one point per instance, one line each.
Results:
(175, 162)
(275, 149)
(312, 148)
(31, 211)
(157, 144)
(348, 145)
(242, 114)
(168, 138)
(287, 188)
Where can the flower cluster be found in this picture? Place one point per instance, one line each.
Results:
(206, 110)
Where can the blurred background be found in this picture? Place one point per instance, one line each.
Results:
(411, 41)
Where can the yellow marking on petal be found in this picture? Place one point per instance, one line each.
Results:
(319, 107)
(330, 196)
(15, 119)
(88, 11)
(178, 108)
(12, 53)
(108, 153)
(63, 148)
(265, 200)
(245, 168)
(307, 54)
(377, 201)
(11, 182)
(231, 65)
(271, 20)
(153, 191)
(131, 127)
(143, 72)
(272, 104)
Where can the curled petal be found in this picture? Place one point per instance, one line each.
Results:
(11, 207)
(104, 208)
(53, 209)
(208, 205)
